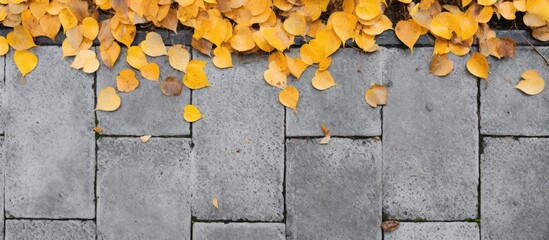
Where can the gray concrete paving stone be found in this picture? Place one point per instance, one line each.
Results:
(341, 108)
(515, 189)
(505, 110)
(435, 231)
(333, 191)
(2, 166)
(49, 141)
(2, 95)
(50, 230)
(238, 231)
(143, 189)
(430, 139)
(239, 144)
(144, 111)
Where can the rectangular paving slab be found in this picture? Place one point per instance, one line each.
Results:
(239, 144)
(49, 143)
(515, 188)
(333, 191)
(505, 110)
(144, 111)
(341, 108)
(435, 231)
(239, 231)
(143, 189)
(430, 139)
(50, 230)
(2, 95)
(2, 164)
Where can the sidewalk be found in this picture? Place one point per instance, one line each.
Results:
(451, 158)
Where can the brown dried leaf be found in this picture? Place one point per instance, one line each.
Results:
(171, 87)
(389, 226)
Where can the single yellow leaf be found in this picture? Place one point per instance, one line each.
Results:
(368, 9)
(90, 28)
(275, 78)
(486, 2)
(108, 100)
(532, 84)
(195, 77)
(25, 61)
(124, 33)
(323, 80)
(242, 39)
(50, 25)
(20, 38)
(4, 46)
(376, 95)
(478, 65)
(136, 58)
(151, 71)
(110, 54)
(145, 138)
(276, 37)
(289, 97)
(343, 24)
(153, 45)
(222, 57)
(295, 24)
(191, 113)
(443, 25)
(86, 60)
(408, 31)
(296, 66)
(325, 63)
(312, 52)
(126, 81)
(179, 57)
(215, 203)
(441, 65)
(67, 19)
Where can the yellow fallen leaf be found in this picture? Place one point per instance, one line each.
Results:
(98, 129)
(368, 9)
(195, 77)
(191, 113)
(124, 33)
(151, 71)
(20, 38)
(145, 138)
(25, 61)
(126, 81)
(90, 28)
(276, 37)
(86, 60)
(478, 65)
(215, 203)
(153, 45)
(296, 66)
(325, 63)
(441, 65)
(323, 80)
(275, 78)
(4, 46)
(222, 57)
(295, 24)
(136, 58)
(376, 95)
(110, 54)
(408, 31)
(443, 25)
(312, 52)
(289, 97)
(67, 19)
(277, 61)
(50, 25)
(327, 135)
(532, 84)
(179, 57)
(108, 100)
(344, 24)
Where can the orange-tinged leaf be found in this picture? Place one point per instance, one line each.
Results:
(376, 95)
(171, 87)
(275, 78)
(179, 57)
(90, 28)
(365, 41)
(67, 19)
(86, 60)
(242, 39)
(136, 58)
(325, 63)
(4, 46)
(441, 65)
(50, 25)
(20, 38)
(312, 52)
(323, 80)
(153, 45)
(486, 2)
(295, 24)
(344, 25)
(408, 31)
(478, 65)
(328, 40)
(110, 54)
(276, 37)
(289, 97)
(108, 100)
(443, 25)
(25, 61)
(151, 71)
(368, 9)
(507, 10)
(296, 66)
(222, 57)
(124, 33)
(126, 81)
(195, 77)
(532, 84)
(192, 114)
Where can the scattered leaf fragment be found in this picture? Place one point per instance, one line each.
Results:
(376, 95)
(171, 87)
(478, 65)
(108, 100)
(532, 84)
(327, 135)
(215, 203)
(289, 97)
(4, 46)
(389, 226)
(98, 129)
(126, 81)
(25, 61)
(145, 138)
(191, 113)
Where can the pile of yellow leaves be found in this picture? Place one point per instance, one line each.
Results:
(222, 27)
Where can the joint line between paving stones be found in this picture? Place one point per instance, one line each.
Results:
(3, 161)
(333, 137)
(50, 219)
(381, 136)
(285, 213)
(480, 150)
(94, 87)
(192, 158)
(137, 136)
(511, 136)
